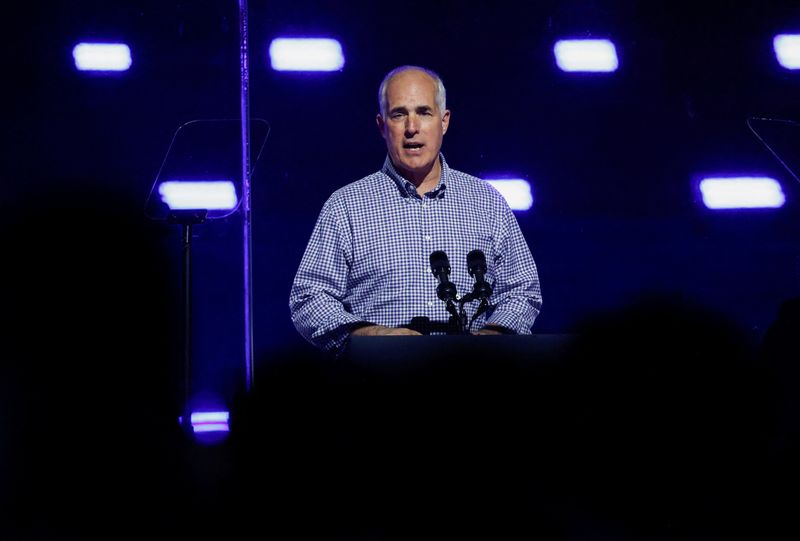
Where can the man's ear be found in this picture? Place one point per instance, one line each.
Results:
(445, 121)
(381, 125)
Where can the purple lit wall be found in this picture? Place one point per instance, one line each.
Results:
(611, 158)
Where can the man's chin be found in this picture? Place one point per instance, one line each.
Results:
(415, 166)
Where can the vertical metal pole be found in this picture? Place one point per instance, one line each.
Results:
(186, 246)
(248, 245)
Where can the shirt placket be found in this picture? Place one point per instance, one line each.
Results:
(427, 241)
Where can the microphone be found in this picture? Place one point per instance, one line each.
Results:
(440, 266)
(476, 264)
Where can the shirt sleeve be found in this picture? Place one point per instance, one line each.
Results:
(317, 298)
(517, 294)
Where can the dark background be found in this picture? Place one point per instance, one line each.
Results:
(613, 159)
(674, 417)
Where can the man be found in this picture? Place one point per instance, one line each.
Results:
(366, 268)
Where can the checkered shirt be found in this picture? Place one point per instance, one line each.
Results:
(368, 259)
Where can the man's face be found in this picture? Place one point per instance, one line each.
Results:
(414, 125)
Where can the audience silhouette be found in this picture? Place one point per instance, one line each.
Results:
(91, 443)
(660, 421)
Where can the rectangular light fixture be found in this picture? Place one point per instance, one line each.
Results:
(306, 54)
(102, 56)
(210, 421)
(741, 193)
(190, 195)
(586, 55)
(516, 192)
(210, 427)
(787, 50)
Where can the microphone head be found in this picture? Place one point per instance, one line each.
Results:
(476, 262)
(439, 263)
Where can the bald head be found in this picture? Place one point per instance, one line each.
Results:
(439, 92)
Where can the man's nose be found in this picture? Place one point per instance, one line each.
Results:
(412, 125)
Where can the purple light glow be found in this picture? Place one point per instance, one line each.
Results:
(211, 427)
(787, 50)
(102, 57)
(210, 417)
(186, 195)
(516, 192)
(741, 192)
(306, 54)
(210, 421)
(586, 55)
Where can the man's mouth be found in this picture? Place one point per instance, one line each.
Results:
(413, 146)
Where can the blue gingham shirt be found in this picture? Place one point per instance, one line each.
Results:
(368, 259)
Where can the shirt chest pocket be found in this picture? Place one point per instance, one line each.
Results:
(381, 257)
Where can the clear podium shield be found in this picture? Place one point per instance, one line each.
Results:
(202, 169)
(782, 138)
(200, 179)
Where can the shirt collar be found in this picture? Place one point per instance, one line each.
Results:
(407, 188)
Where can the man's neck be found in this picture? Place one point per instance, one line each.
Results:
(424, 182)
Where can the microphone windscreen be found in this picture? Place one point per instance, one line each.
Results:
(439, 259)
(476, 261)
(440, 265)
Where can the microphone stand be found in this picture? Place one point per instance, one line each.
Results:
(457, 315)
(186, 219)
(458, 319)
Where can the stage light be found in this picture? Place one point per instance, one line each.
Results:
(787, 50)
(741, 192)
(210, 421)
(188, 195)
(516, 192)
(306, 54)
(102, 56)
(586, 55)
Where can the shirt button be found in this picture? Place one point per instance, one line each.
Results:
(430, 303)
(427, 237)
